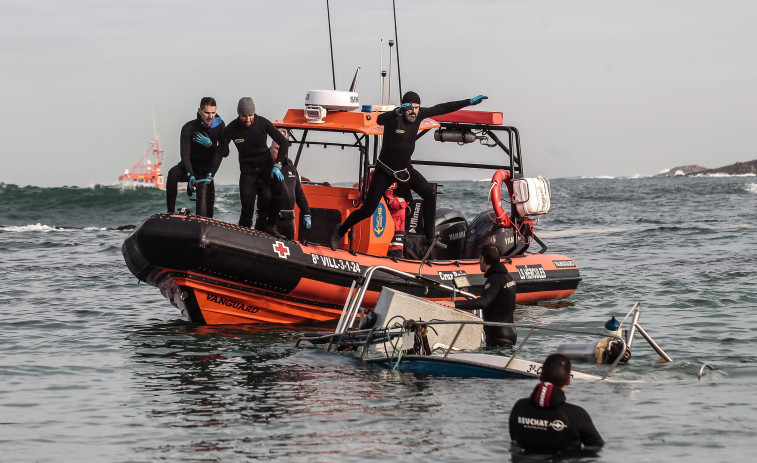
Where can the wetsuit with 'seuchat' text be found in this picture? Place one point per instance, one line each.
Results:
(545, 422)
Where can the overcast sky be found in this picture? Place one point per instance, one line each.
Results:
(596, 88)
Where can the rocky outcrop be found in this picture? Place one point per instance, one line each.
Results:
(740, 168)
(682, 170)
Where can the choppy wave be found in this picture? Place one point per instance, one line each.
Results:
(99, 206)
(578, 203)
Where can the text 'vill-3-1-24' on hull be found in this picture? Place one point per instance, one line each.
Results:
(221, 273)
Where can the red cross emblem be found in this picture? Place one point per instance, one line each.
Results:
(281, 249)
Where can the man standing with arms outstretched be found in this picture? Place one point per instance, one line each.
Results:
(401, 127)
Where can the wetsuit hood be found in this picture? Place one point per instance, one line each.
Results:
(547, 395)
(411, 97)
(499, 267)
(216, 121)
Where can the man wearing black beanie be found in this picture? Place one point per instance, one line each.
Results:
(401, 127)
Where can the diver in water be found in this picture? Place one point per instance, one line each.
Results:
(250, 133)
(401, 127)
(497, 299)
(545, 422)
(201, 154)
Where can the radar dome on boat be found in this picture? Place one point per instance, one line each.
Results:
(333, 100)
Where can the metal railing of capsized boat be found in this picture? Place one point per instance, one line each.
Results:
(359, 288)
(531, 329)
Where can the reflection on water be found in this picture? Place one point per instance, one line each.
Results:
(252, 378)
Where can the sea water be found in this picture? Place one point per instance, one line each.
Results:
(95, 366)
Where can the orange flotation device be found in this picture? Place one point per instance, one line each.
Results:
(501, 176)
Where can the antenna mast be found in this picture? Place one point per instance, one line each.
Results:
(154, 126)
(331, 44)
(382, 73)
(399, 75)
(389, 98)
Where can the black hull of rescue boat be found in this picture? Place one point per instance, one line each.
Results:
(217, 272)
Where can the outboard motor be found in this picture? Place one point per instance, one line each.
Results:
(484, 230)
(450, 226)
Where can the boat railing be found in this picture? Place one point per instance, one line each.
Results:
(531, 329)
(362, 339)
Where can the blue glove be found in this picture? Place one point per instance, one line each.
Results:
(202, 139)
(308, 222)
(208, 178)
(191, 184)
(478, 99)
(276, 173)
(404, 108)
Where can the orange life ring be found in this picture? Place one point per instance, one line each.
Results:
(501, 176)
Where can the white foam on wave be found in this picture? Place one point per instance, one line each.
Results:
(46, 228)
(579, 232)
(751, 187)
(596, 177)
(720, 174)
(34, 227)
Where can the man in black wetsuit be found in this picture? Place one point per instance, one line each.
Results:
(288, 196)
(398, 143)
(250, 133)
(497, 300)
(201, 154)
(545, 422)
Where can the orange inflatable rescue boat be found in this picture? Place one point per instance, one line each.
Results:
(221, 273)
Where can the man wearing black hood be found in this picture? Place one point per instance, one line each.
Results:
(401, 127)
(289, 195)
(545, 422)
(497, 299)
(201, 154)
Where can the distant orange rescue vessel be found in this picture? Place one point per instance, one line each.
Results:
(147, 172)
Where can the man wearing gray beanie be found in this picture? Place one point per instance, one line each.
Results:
(401, 127)
(259, 174)
(245, 106)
